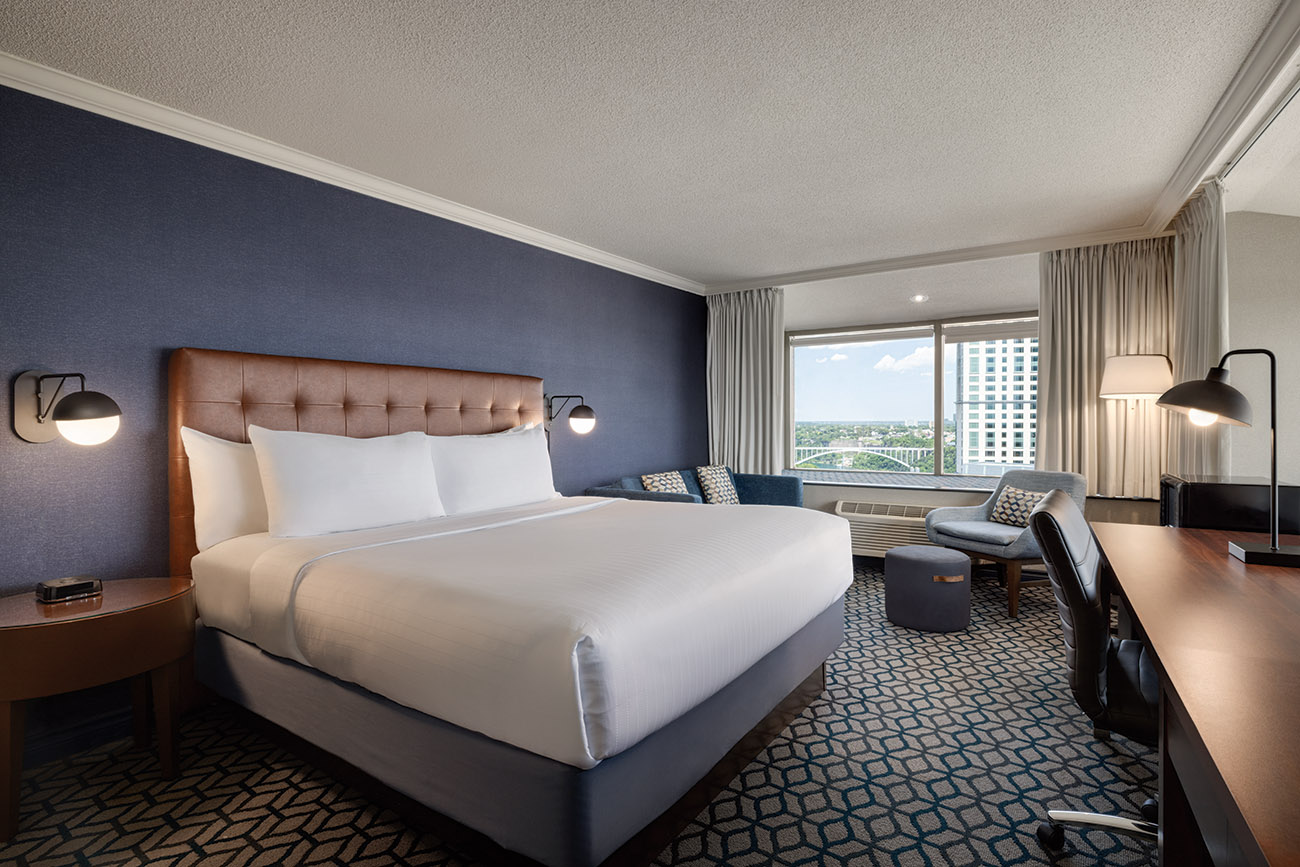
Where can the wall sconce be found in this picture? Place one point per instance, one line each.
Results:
(83, 417)
(581, 418)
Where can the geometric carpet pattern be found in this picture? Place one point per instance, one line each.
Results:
(925, 749)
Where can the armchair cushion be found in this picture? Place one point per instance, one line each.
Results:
(944, 514)
(1014, 505)
(989, 532)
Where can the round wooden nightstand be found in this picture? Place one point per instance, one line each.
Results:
(139, 628)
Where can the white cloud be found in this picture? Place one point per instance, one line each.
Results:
(822, 360)
(922, 357)
(839, 356)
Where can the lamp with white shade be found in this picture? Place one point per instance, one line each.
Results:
(1136, 377)
(582, 418)
(42, 411)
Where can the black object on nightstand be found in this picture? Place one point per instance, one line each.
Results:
(68, 589)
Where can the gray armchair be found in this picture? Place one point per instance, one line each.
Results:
(969, 529)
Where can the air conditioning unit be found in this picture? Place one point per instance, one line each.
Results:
(877, 527)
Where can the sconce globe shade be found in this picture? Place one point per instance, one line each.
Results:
(1135, 377)
(583, 419)
(1212, 396)
(87, 418)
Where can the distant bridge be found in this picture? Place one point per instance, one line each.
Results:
(907, 457)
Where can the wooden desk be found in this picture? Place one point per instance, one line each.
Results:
(1226, 637)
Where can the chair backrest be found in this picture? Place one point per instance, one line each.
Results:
(1075, 485)
(1081, 583)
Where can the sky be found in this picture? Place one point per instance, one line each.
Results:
(888, 380)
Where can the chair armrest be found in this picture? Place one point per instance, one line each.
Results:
(1024, 548)
(765, 490)
(628, 494)
(956, 513)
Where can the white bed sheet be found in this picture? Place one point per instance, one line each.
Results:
(571, 628)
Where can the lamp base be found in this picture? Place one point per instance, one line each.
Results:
(1261, 554)
(26, 409)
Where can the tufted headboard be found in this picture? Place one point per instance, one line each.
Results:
(222, 393)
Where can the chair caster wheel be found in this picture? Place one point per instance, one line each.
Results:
(1150, 810)
(1051, 836)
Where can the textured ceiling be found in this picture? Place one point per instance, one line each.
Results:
(1007, 285)
(718, 141)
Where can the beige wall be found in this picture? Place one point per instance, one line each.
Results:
(1264, 312)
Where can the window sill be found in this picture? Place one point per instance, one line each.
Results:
(898, 481)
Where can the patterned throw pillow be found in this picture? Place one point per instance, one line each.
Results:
(717, 485)
(1014, 505)
(665, 483)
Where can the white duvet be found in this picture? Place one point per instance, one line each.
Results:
(571, 628)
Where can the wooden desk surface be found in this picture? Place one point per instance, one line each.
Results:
(1227, 640)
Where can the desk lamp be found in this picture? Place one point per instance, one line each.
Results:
(1210, 400)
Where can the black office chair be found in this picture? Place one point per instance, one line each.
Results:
(1113, 680)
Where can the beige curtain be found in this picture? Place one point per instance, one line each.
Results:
(746, 374)
(1095, 302)
(1200, 314)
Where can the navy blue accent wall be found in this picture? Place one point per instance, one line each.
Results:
(118, 244)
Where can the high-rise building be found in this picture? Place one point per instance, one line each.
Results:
(997, 400)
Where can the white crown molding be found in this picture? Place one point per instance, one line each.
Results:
(941, 257)
(34, 78)
(1267, 59)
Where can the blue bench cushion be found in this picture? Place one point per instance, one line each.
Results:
(751, 489)
(989, 532)
(633, 483)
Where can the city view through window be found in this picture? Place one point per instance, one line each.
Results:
(868, 405)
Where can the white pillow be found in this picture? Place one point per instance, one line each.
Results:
(228, 499)
(317, 483)
(492, 471)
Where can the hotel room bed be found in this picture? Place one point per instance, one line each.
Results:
(554, 675)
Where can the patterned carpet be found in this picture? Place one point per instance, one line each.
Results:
(925, 750)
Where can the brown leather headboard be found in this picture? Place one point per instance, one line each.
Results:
(222, 393)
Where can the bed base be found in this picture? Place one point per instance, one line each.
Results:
(509, 806)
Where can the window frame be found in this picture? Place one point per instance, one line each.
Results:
(847, 334)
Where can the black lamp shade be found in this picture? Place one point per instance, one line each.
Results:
(85, 406)
(582, 419)
(1209, 395)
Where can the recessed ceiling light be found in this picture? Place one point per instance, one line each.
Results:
(920, 299)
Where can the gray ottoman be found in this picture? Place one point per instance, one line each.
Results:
(927, 588)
